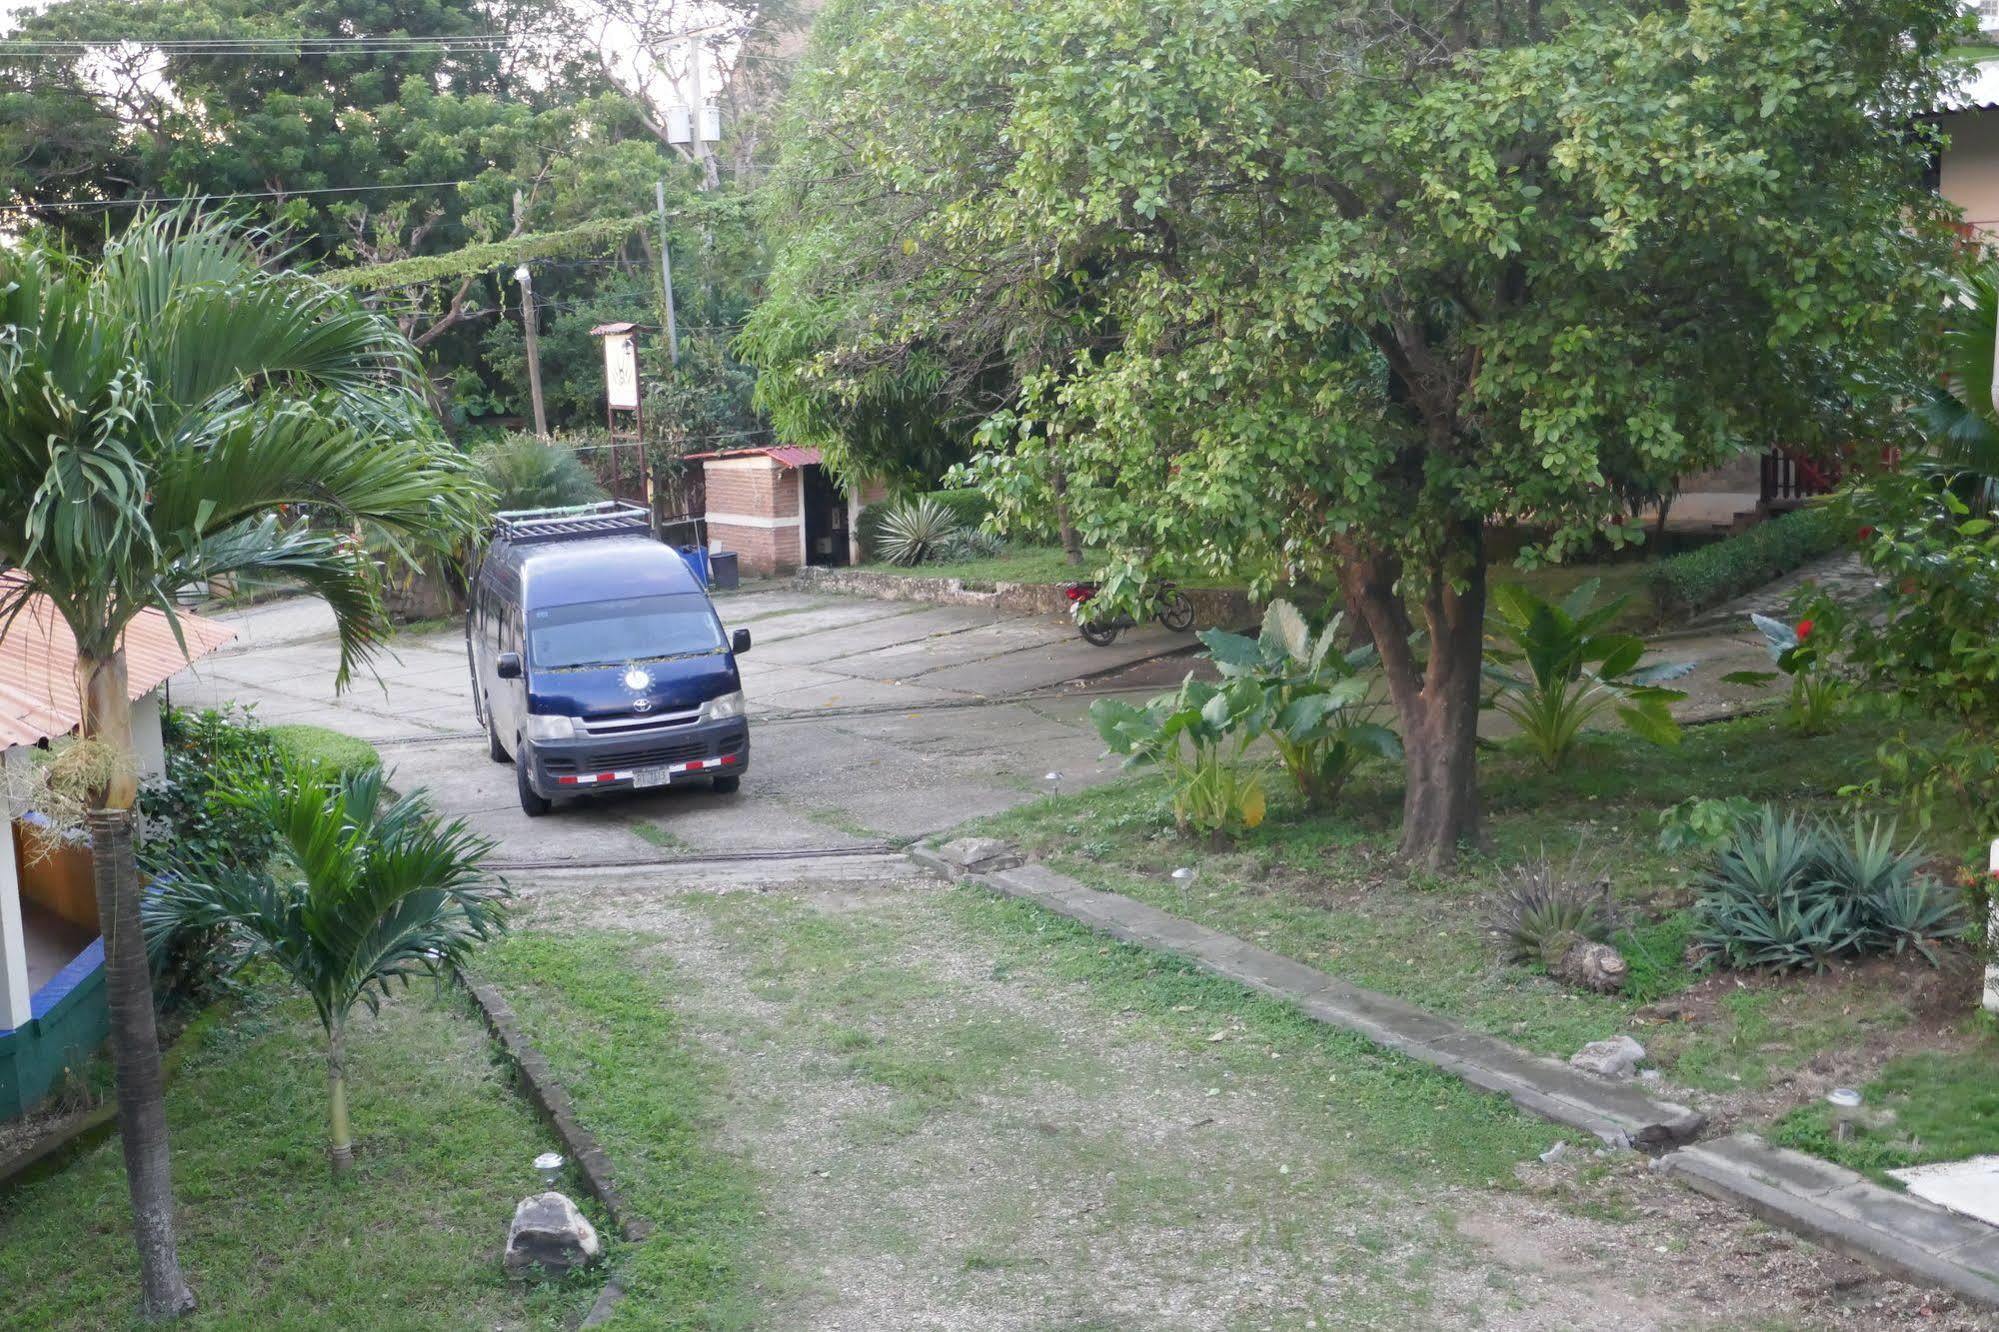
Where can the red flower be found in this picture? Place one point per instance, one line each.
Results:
(1804, 630)
(1863, 534)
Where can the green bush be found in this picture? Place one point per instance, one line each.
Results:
(188, 815)
(344, 755)
(1785, 892)
(530, 473)
(1690, 582)
(967, 507)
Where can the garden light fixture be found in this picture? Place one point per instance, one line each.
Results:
(549, 1166)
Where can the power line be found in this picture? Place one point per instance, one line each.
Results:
(253, 45)
(247, 194)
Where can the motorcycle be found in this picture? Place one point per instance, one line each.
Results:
(1169, 605)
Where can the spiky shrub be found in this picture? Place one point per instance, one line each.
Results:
(373, 890)
(915, 531)
(1787, 892)
(1543, 911)
(530, 473)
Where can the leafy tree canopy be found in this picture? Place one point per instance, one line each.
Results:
(1332, 287)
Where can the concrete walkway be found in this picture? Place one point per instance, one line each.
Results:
(872, 722)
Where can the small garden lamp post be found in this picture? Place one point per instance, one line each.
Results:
(549, 1166)
(1845, 1103)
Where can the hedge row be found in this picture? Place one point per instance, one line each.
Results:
(968, 505)
(1691, 582)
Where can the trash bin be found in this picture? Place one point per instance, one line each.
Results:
(697, 560)
(722, 569)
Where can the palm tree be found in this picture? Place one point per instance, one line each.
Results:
(382, 892)
(162, 411)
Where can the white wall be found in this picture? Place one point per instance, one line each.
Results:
(14, 992)
(1970, 168)
(147, 742)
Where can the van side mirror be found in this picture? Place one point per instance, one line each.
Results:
(739, 642)
(507, 666)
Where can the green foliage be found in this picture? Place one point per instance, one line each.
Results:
(1928, 644)
(1694, 580)
(915, 530)
(1198, 735)
(1945, 1107)
(597, 236)
(191, 815)
(1786, 892)
(1703, 823)
(372, 891)
(1543, 911)
(208, 396)
(1807, 652)
(529, 473)
(1655, 951)
(301, 744)
(968, 505)
(1316, 695)
(1576, 670)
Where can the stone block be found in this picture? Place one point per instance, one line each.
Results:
(549, 1235)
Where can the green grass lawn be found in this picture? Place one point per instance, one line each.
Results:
(1326, 889)
(1027, 564)
(1045, 564)
(606, 1022)
(411, 1239)
(1927, 1107)
(306, 743)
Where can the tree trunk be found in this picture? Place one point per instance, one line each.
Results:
(128, 982)
(1436, 698)
(339, 1143)
(1072, 543)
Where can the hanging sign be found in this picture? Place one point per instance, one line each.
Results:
(621, 370)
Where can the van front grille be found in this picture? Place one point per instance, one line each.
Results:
(651, 756)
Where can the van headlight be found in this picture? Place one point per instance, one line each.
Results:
(720, 709)
(542, 726)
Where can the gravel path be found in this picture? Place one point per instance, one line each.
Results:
(950, 1137)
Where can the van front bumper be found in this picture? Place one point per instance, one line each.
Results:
(669, 756)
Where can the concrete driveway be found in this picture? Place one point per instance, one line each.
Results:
(872, 721)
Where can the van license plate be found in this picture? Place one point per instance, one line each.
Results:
(644, 777)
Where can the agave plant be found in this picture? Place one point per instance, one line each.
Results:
(915, 531)
(1786, 893)
(1576, 670)
(382, 892)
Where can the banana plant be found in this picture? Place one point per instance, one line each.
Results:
(1198, 734)
(1576, 669)
(1319, 699)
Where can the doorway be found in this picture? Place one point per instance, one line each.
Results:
(825, 517)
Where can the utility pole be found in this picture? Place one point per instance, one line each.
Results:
(666, 275)
(528, 330)
(710, 176)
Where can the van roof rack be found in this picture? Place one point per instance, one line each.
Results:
(572, 523)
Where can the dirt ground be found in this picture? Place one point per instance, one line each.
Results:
(950, 1136)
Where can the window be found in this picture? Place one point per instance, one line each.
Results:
(1988, 14)
(610, 633)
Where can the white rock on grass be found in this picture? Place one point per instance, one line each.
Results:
(549, 1233)
(1618, 1057)
(981, 853)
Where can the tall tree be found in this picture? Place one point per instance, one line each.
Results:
(159, 412)
(1336, 287)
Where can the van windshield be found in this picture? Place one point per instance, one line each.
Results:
(609, 633)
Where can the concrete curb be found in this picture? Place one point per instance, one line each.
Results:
(1894, 1232)
(1902, 1235)
(1212, 605)
(549, 1096)
(1617, 1113)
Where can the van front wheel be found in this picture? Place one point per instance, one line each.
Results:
(728, 785)
(533, 803)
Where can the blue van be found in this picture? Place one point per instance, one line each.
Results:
(598, 662)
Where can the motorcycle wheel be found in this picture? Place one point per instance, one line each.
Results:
(1098, 635)
(1176, 612)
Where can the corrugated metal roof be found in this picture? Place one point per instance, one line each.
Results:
(784, 455)
(38, 697)
(1979, 92)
